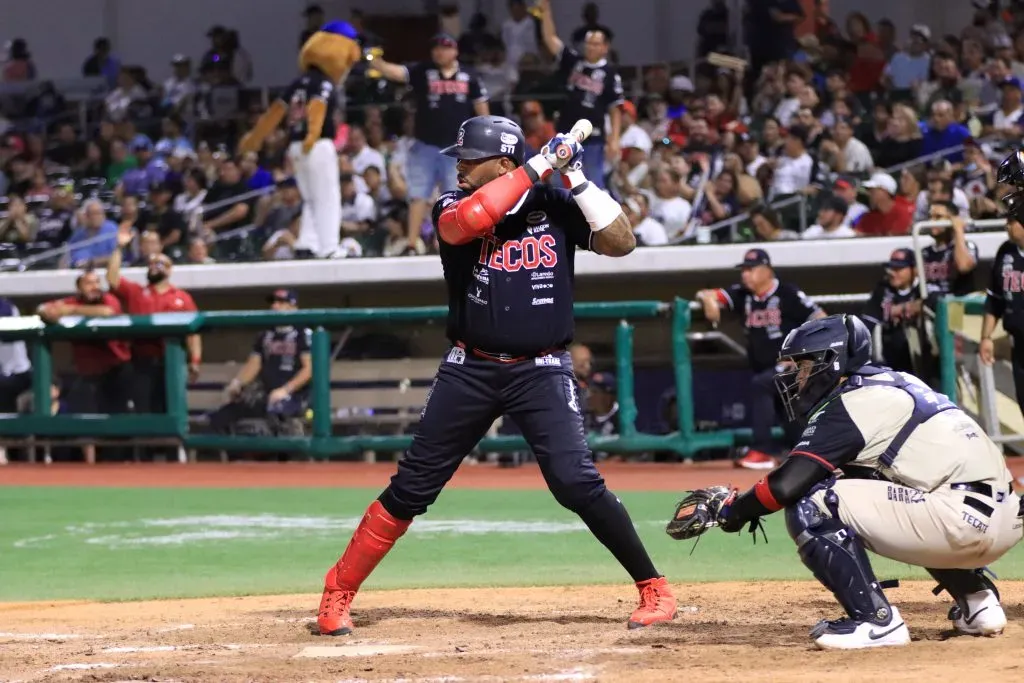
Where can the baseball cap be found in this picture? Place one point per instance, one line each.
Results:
(179, 59)
(444, 40)
(921, 30)
(629, 108)
(141, 143)
(605, 381)
(288, 182)
(837, 204)
(842, 184)
(682, 83)
(755, 257)
(901, 258)
(1011, 81)
(287, 296)
(882, 181)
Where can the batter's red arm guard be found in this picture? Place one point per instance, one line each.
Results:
(475, 216)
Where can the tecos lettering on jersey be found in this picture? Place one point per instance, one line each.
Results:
(528, 253)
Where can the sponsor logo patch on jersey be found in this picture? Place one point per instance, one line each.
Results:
(543, 301)
(548, 361)
(457, 356)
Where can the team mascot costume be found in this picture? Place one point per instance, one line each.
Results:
(324, 61)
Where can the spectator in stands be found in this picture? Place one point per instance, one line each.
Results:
(102, 382)
(149, 248)
(438, 117)
(163, 220)
(649, 232)
(131, 218)
(851, 155)
(794, 167)
(1005, 121)
(19, 66)
(668, 206)
(376, 188)
(396, 241)
(769, 33)
(362, 155)
(315, 19)
(238, 57)
(831, 221)
(476, 38)
(149, 169)
(189, 202)
(281, 244)
(102, 63)
(120, 162)
(903, 141)
(173, 138)
(198, 253)
(92, 165)
(97, 234)
(230, 213)
(497, 78)
(941, 189)
(285, 205)
(177, 91)
(65, 148)
(890, 213)
(254, 175)
(158, 296)
(721, 197)
(55, 224)
(796, 85)
(768, 225)
(358, 212)
(537, 129)
(277, 373)
(749, 150)
(519, 34)
(19, 227)
(15, 368)
(997, 70)
(908, 69)
(943, 131)
(120, 99)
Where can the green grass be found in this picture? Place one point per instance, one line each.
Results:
(113, 544)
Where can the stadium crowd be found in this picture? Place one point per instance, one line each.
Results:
(812, 137)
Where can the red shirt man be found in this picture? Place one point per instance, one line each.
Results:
(91, 358)
(890, 213)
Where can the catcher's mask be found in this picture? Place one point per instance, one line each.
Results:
(821, 352)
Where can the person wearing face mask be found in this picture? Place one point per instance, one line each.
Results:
(158, 296)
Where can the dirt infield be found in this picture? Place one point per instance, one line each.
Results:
(726, 632)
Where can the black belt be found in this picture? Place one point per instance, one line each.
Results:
(982, 489)
(506, 357)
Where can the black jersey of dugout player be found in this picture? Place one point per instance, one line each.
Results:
(442, 104)
(592, 88)
(878, 311)
(279, 350)
(311, 85)
(940, 271)
(768, 319)
(512, 293)
(1005, 295)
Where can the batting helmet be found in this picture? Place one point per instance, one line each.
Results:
(486, 137)
(1011, 172)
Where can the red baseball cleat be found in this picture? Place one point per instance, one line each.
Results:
(333, 618)
(656, 603)
(756, 460)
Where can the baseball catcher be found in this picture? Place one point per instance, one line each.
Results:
(309, 104)
(885, 464)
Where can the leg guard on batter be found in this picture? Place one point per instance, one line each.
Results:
(837, 559)
(373, 538)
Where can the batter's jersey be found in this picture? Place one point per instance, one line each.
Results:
(878, 313)
(1005, 294)
(442, 103)
(940, 271)
(858, 424)
(768, 319)
(314, 84)
(512, 292)
(592, 90)
(280, 350)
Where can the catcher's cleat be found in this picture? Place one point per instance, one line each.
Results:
(756, 460)
(848, 634)
(333, 618)
(979, 614)
(656, 603)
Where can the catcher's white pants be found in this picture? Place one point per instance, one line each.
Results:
(937, 530)
(317, 177)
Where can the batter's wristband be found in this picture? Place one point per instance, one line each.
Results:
(597, 206)
(573, 179)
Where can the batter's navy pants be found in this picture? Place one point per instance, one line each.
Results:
(469, 393)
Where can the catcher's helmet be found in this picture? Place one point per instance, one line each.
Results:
(1011, 172)
(486, 137)
(837, 345)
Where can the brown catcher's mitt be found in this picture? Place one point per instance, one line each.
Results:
(698, 512)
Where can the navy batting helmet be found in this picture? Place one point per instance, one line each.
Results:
(1011, 172)
(486, 137)
(837, 346)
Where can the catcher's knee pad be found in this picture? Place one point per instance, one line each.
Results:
(837, 558)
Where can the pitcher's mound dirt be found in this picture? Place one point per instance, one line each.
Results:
(725, 632)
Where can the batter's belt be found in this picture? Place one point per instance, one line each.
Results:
(505, 357)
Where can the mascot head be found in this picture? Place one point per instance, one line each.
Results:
(333, 49)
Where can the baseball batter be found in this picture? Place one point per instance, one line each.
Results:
(507, 247)
(885, 464)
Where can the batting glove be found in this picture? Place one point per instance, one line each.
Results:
(563, 150)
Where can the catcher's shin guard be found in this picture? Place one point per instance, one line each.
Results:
(837, 559)
(977, 611)
(373, 538)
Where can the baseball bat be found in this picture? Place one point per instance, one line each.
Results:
(580, 130)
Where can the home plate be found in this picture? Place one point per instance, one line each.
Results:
(356, 650)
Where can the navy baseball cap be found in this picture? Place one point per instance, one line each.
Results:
(901, 258)
(755, 257)
(287, 296)
(444, 40)
(1010, 81)
(605, 381)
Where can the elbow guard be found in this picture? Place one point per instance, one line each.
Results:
(478, 214)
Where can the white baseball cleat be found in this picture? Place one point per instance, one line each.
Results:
(979, 614)
(847, 634)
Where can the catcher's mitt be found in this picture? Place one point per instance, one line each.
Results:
(699, 511)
